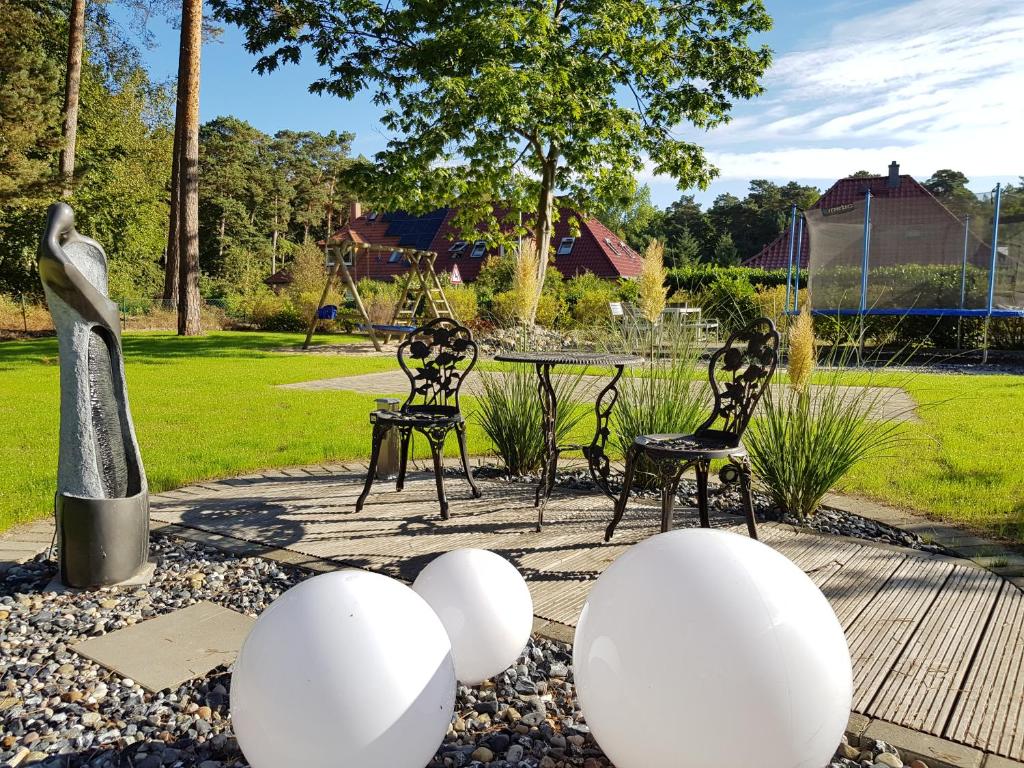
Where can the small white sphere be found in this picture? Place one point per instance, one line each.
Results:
(485, 606)
(348, 668)
(696, 645)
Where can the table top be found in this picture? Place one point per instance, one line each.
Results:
(568, 357)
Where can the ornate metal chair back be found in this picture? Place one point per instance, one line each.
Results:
(738, 373)
(431, 357)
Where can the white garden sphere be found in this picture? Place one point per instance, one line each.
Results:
(485, 606)
(346, 669)
(696, 646)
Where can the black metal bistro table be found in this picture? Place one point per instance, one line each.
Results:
(597, 459)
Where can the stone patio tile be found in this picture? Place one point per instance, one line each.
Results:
(171, 649)
(914, 745)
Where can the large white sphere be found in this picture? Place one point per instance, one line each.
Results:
(485, 606)
(701, 648)
(346, 669)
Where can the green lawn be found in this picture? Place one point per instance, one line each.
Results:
(207, 407)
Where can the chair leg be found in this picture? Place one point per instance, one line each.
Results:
(748, 500)
(632, 456)
(669, 486)
(379, 433)
(403, 459)
(437, 451)
(702, 468)
(460, 433)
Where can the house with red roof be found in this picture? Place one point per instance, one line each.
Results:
(894, 186)
(594, 249)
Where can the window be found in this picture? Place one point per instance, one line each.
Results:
(479, 249)
(394, 257)
(371, 216)
(332, 256)
(458, 248)
(565, 247)
(610, 244)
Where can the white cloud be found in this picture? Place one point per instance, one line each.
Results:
(930, 83)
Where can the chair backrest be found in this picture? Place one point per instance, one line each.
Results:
(430, 356)
(739, 373)
(615, 307)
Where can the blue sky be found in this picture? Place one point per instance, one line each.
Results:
(854, 85)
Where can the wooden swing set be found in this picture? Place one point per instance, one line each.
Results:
(421, 291)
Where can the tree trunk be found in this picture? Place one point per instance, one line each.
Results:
(188, 218)
(173, 260)
(273, 252)
(542, 229)
(72, 85)
(220, 246)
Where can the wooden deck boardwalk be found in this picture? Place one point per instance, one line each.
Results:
(937, 644)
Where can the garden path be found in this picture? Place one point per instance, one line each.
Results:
(884, 402)
(937, 643)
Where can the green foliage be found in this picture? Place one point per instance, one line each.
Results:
(511, 101)
(123, 152)
(803, 444)
(510, 415)
(631, 216)
(463, 301)
(587, 297)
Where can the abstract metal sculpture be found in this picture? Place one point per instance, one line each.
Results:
(102, 501)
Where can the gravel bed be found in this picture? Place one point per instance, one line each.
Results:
(726, 499)
(60, 709)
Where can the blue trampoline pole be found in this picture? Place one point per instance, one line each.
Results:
(995, 249)
(992, 269)
(865, 253)
(799, 258)
(789, 274)
(963, 282)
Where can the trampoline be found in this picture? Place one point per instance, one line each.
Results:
(910, 256)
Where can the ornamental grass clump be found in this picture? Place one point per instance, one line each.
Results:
(510, 413)
(524, 283)
(805, 438)
(651, 282)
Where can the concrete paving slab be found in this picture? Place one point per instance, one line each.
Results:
(171, 649)
(914, 745)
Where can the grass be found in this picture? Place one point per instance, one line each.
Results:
(207, 407)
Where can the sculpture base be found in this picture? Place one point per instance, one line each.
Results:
(140, 579)
(101, 542)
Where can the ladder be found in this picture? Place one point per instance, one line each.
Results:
(422, 292)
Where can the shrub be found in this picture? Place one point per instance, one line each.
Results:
(462, 299)
(587, 296)
(730, 300)
(380, 299)
(510, 413)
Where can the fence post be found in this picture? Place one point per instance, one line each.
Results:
(24, 315)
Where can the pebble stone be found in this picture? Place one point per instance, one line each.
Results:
(58, 709)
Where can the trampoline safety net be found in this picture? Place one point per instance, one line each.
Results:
(921, 258)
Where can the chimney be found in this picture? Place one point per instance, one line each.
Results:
(355, 210)
(894, 175)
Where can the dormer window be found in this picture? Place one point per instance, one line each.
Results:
(565, 247)
(458, 248)
(479, 249)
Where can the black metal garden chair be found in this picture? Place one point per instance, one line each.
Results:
(430, 356)
(747, 361)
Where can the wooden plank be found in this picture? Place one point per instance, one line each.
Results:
(879, 634)
(922, 687)
(989, 713)
(855, 585)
